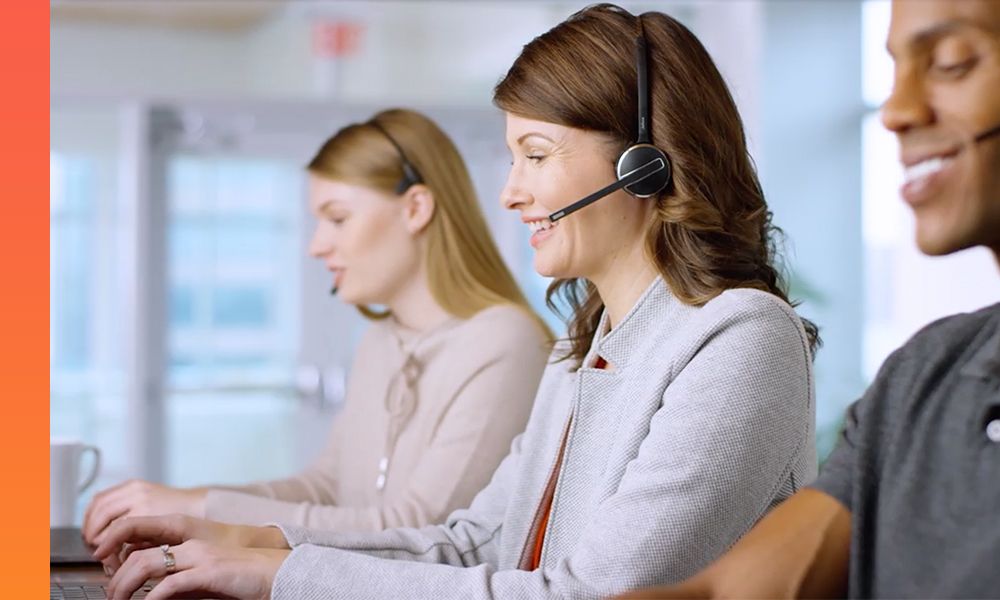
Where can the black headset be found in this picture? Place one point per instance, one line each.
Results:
(411, 176)
(642, 169)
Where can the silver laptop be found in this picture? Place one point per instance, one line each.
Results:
(66, 547)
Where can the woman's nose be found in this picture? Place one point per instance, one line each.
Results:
(321, 242)
(513, 196)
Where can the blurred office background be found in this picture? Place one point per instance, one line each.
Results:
(193, 340)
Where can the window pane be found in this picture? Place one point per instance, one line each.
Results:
(87, 287)
(876, 68)
(233, 246)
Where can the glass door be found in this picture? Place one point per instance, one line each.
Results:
(248, 394)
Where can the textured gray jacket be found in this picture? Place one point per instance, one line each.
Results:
(705, 423)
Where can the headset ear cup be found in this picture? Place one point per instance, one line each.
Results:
(635, 157)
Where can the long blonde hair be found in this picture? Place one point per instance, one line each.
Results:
(465, 272)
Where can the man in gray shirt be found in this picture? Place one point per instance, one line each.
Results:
(908, 504)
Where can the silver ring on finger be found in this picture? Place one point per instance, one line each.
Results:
(168, 559)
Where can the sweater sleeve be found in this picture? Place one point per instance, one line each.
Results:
(732, 422)
(489, 407)
(266, 501)
(469, 536)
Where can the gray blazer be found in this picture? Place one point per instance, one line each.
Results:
(704, 424)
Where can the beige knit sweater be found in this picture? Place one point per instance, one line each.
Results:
(471, 387)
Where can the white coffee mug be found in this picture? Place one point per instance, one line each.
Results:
(64, 478)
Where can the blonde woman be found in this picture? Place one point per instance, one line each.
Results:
(443, 379)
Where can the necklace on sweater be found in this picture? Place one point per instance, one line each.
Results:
(401, 395)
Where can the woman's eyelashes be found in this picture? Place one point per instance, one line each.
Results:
(335, 218)
(534, 158)
(332, 212)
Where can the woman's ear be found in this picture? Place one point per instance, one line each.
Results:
(418, 206)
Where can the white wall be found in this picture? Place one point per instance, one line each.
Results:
(92, 59)
(438, 52)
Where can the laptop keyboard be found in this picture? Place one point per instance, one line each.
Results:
(72, 591)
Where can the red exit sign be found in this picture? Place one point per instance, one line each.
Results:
(337, 39)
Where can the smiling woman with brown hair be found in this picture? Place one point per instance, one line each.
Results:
(678, 412)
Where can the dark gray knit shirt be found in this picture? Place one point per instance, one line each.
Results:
(918, 466)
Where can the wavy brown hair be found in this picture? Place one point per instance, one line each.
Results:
(712, 229)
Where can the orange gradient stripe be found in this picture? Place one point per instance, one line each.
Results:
(24, 297)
